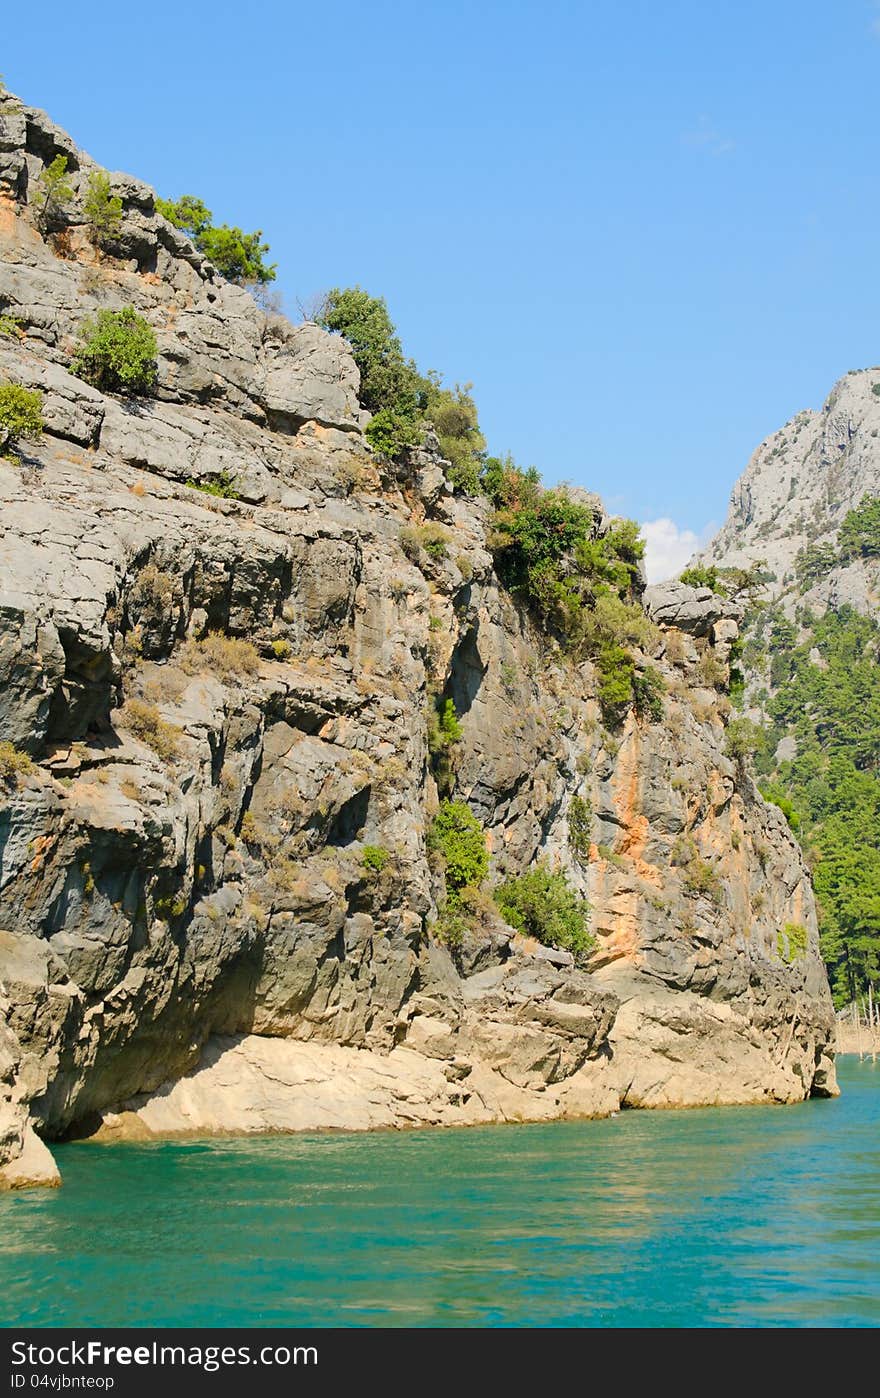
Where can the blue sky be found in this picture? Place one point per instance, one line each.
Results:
(647, 232)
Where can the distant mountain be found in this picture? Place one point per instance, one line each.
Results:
(804, 518)
(789, 505)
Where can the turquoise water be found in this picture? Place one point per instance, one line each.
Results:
(743, 1216)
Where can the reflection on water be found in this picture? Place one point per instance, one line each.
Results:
(744, 1216)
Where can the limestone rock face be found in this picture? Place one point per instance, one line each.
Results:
(224, 701)
(696, 610)
(796, 491)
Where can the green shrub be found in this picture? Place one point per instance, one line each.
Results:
(458, 838)
(700, 878)
(616, 671)
(14, 764)
(542, 904)
(742, 739)
(117, 352)
(391, 387)
(169, 907)
(579, 586)
(813, 562)
(613, 621)
(238, 256)
(450, 728)
(102, 209)
(860, 532)
(54, 191)
(433, 539)
(390, 433)
(712, 672)
(444, 732)
(451, 926)
(703, 575)
(791, 942)
(454, 415)
(374, 859)
(220, 483)
(9, 325)
(21, 414)
(697, 876)
(580, 824)
(648, 689)
(774, 794)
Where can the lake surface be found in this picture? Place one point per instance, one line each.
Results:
(741, 1216)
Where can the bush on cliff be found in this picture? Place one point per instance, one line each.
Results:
(14, 765)
(792, 942)
(54, 192)
(458, 838)
(117, 352)
(742, 740)
(444, 733)
(21, 415)
(238, 256)
(541, 903)
(392, 388)
(102, 210)
(648, 689)
(456, 422)
(860, 532)
(401, 398)
(703, 575)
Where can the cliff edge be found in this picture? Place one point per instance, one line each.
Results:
(223, 630)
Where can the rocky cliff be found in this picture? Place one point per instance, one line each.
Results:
(795, 494)
(216, 705)
(804, 519)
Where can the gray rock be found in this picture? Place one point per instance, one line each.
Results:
(692, 609)
(225, 703)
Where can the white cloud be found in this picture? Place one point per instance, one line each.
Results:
(668, 548)
(705, 137)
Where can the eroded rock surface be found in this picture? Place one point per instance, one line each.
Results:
(225, 701)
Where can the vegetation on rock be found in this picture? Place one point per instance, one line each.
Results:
(444, 733)
(54, 192)
(791, 942)
(21, 415)
(227, 656)
(147, 724)
(13, 764)
(433, 539)
(220, 484)
(542, 904)
(102, 209)
(859, 535)
(401, 398)
(703, 575)
(459, 840)
(831, 786)
(374, 859)
(238, 256)
(117, 352)
(580, 823)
